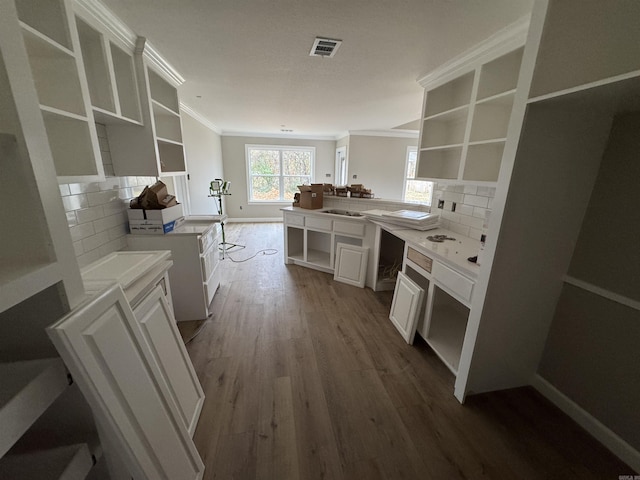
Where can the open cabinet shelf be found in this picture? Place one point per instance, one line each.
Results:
(464, 113)
(446, 328)
(46, 17)
(69, 462)
(55, 65)
(110, 75)
(27, 389)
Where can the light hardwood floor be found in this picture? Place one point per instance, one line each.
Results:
(305, 378)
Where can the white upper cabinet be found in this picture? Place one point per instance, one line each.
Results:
(110, 75)
(467, 108)
(37, 250)
(49, 39)
(133, 93)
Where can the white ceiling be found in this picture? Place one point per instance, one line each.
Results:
(247, 65)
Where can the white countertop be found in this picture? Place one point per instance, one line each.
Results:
(453, 253)
(191, 226)
(320, 213)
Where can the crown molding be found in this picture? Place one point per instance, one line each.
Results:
(200, 118)
(385, 133)
(331, 138)
(501, 42)
(96, 11)
(158, 62)
(112, 24)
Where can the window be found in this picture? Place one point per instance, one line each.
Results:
(274, 172)
(418, 191)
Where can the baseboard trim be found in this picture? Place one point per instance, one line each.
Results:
(597, 429)
(254, 220)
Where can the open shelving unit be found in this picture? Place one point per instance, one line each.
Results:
(134, 94)
(465, 121)
(47, 135)
(319, 250)
(447, 327)
(52, 48)
(168, 127)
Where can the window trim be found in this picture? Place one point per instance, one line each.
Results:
(281, 148)
(406, 178)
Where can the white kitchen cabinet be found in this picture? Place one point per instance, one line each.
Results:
(103, 346)
(110, 73)
(406, 306)
(196, 272)
(39, 276)
(144, 278)
(167, 348)
(466, 111)
(45, 43)
(351, 264)
(134, 93)
(311, 239)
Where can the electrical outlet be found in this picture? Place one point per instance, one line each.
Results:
(240, 207)
(327, 175)
(453, 206)
(440, 203)
(355, 176)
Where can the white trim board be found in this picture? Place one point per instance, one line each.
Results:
(279, 135)
(200, 118)
(501, 42)
(609, 295)
(385, 133)
(597, 429)
(119, 30)
(254, 220)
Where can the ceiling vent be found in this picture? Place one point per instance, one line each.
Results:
(324, 47)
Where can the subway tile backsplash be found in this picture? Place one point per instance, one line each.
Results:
(468, 217)
(471, 205)
(96, 211)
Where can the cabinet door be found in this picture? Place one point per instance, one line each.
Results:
(105, 349)
(351, 264)
(405, 307)
(161, 333)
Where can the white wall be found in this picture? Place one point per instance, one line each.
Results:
(234, 162)
(203, 148)
(379, 163)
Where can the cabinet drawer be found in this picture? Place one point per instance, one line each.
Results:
(349, 228)
(419, 259)
(455, 282)
(206, 239)
(295, 220)
(319, 223)
(210, 259)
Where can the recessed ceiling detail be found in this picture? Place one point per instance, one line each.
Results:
(324, 47)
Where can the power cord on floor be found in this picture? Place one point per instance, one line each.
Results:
(266, 251)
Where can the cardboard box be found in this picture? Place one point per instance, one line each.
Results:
(150, 227)
(311, 200)
(161, 217)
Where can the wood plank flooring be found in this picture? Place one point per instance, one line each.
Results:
(305, 378)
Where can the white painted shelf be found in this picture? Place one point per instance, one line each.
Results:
(318, 257)
(71, 462)
(465, 120)
(27, 389)
(446, 335)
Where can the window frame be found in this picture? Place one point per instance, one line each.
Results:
(281, 176)
(406, 179)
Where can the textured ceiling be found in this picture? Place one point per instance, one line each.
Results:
(247, 65)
